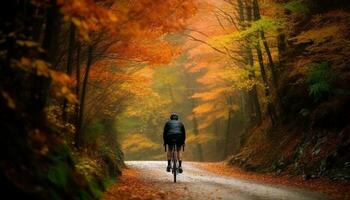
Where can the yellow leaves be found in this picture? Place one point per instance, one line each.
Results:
(9, 100)
(203, 108)
(238, 78)
(201, 138)
(42, 68)
(76, 21)
(138, 143)
(27, 43)
(210, 95)
(89, 167)
(54, 116)
(223, 40)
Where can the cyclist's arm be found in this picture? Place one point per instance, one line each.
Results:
(184, 133)
(164, 133)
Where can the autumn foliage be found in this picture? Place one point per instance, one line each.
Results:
(81, 81)
(68, 68)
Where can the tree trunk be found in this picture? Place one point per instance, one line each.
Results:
(77, 88)
(272, 66)
(69, 65)
(270, 106)
(196, 133)
(253, 93)
(52, 30)
(281, 44)
(198, 150)
(218, 147)
(50, 44)
(228, 129)
(79, 138)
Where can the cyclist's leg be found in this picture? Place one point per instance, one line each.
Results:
(179, 156)
(168, 155)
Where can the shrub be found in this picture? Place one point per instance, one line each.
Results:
(318, 80)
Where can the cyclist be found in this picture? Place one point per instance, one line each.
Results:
(174, 130)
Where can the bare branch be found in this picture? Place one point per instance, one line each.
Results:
(230, 17)
(197, 31)
(219, 20)
(206, 43)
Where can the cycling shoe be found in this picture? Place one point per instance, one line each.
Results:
(168, 168)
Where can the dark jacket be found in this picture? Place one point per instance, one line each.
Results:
(174, 128)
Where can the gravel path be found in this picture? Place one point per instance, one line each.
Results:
(196, 183)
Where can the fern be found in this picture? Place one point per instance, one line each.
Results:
(297, 6)
(319, 79)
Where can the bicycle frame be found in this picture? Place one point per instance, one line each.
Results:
(174, 160)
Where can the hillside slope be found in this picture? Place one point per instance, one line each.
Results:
(312, 137)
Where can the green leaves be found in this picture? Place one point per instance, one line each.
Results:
(297, 6)
(319, 79)
(250, 32)
(59, 174)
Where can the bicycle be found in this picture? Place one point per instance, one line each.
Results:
(174, 162)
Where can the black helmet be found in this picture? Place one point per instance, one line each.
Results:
(174, 116)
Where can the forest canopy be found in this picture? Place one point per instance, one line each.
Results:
(87, 84)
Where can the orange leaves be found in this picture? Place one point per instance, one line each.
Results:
(9, 100)
(40, 67)
(131, 186)
(60, 81)
(60, 86)
(169, 15)
(153, 52)
(210, 95)
(142, 24)
(336, 190)
(86, 15)
(203, 108)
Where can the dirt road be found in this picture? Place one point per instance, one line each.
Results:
(196, 183)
